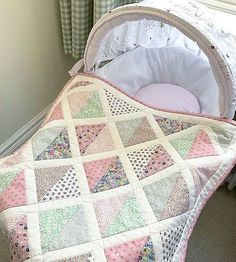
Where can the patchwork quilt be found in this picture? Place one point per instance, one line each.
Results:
(107, 178)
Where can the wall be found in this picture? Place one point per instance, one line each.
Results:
(33, 67)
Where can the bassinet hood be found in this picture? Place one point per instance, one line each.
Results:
(187, 18)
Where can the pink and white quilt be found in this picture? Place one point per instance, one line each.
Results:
(107, 178)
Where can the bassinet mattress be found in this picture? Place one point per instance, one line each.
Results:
(107, 178)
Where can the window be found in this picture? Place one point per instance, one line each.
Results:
(221, 5)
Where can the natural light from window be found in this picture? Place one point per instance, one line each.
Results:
(225, 10)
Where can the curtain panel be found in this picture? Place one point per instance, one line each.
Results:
(78, 18)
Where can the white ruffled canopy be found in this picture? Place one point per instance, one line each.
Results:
(178, 23)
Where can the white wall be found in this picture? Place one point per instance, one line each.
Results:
(33, 67)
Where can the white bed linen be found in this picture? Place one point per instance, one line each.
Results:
(170, 65)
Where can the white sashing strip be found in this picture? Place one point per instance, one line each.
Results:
(104, 102)
(115, 135)
(143, 204)
(71, 130)
(34, 233)
(82, 179)
(30, 184)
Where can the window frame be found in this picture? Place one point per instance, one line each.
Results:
(228, 6)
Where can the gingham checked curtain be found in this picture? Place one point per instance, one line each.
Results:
(78, 17)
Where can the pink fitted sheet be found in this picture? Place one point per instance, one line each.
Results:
(169, 97)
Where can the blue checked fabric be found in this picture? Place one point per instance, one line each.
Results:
(78, 18)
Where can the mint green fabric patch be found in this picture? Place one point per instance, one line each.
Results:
(92, 109)
(52, 222)
(5, 180)
(74, 233)
(183, 145)
(129, 217)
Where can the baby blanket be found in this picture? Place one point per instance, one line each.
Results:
(107, 178)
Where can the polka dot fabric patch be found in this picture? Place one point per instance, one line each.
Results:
(136, 250)
(150, 160)
(170, 241)
(119, 106)
(17, 233)
(202, 146)
(94, 139)
(56, 183)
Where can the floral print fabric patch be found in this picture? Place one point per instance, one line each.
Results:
(105, 174)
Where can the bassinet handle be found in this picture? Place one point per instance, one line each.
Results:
(75, 69)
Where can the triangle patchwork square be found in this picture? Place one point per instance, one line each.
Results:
(60, 217)
(102, 143)
(202, 146)
(94, 138)
(178, 200)
(105, 174)
(56, 113)
(139, 159)
(92, 109)
(57, 148)
(46, 178)
(201, 175)
(124, 214)
(5, 180)
(66, 187)
(85, 104)
(159, 192)
(119, 106)
(184, 143)
(78, 100)
(17, 234)
(159, 160)
(224, 138)
(95, 170)
(111, 206)
(129, 217)
(135, 131)
(14, 184)
(170, 126)
(76, 227)
(170, 241)
(86, 134)
(137, 250)
(150, 160)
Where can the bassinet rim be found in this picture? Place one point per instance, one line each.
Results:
(220, 67)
